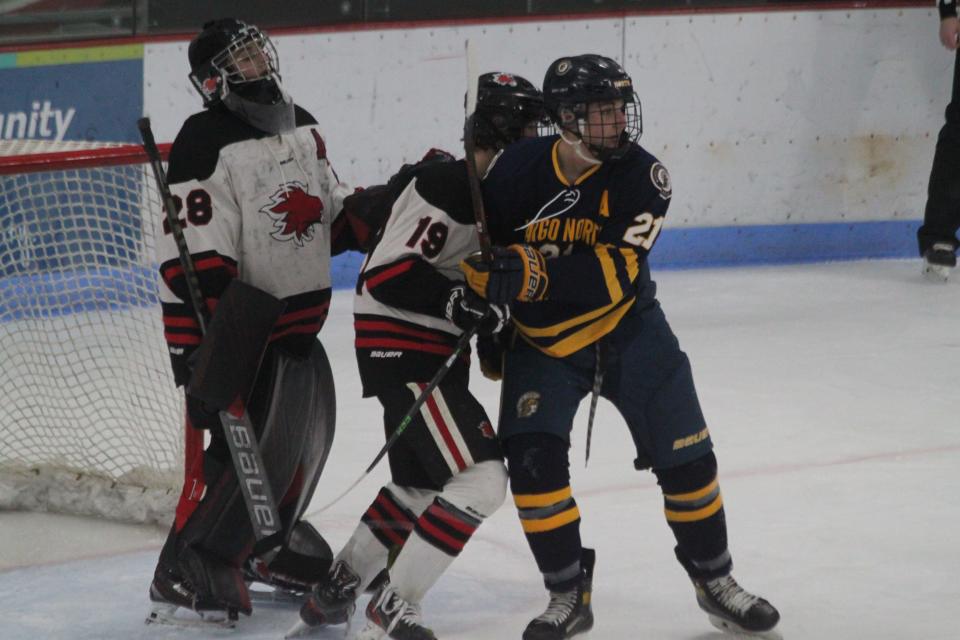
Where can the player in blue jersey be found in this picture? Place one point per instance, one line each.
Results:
(574, 216)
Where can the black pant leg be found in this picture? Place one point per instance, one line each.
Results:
(941, 218)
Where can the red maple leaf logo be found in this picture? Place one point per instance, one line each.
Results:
(294, 212)
(505, 80)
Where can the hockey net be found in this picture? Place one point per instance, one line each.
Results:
(89, 417)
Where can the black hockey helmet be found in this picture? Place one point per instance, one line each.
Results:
(506, 105)
(573, 83)
(236, 64)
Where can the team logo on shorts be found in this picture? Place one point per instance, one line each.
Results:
(528, 404)
(661, 180)
(486, 430)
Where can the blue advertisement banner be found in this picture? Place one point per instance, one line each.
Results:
(93, 94)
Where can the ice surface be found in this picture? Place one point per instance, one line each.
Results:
(833, 397)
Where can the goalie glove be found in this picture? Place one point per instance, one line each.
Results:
(517, 272)
(467, 310)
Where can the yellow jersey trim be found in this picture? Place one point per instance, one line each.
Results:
(554, 155)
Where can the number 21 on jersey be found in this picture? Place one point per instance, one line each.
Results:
(643, 233)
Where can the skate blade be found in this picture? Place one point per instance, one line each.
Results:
(166, 615)
(936, 273)
(371, 632)
(737, 631)
(277, 597)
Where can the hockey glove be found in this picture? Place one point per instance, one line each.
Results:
(517, 272)
(467, 310)
(200, 415)
(490, 354)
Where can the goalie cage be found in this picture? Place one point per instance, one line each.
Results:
(90, 419)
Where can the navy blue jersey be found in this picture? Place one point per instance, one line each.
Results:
(595, 233)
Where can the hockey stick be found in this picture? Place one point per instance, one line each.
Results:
(470, 148)
(594, 396)
(463, 342)
(407, 418)
(238, 430)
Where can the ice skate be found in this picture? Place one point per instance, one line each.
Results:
(390, 616)
(569, 612)
(169, 593)
(938, 261)
(735, 611)
(331, 602)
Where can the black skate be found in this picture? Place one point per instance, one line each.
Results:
(569, 612)
(169, 592)
(332, 601)
(390, 616)
(938, 261)
(735, 611)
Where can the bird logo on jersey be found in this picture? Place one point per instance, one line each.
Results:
(294, 212)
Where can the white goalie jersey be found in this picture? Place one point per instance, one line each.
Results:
(253, 206)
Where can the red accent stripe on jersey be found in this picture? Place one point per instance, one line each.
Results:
(309, 312)
(444, 429)
(180, 321)
(443, 537)
(313, 327)
(376, 325)
(372, 343)
(386, 274)
(450, 519)
(206, 264)
(181, 338)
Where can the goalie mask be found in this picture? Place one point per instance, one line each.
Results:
(236, 64)
(508, 108)
(591, 100)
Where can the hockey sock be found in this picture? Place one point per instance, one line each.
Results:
(383, 529)
(540, 482)
(694, 510)
(445, 526)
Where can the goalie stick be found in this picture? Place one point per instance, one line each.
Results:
(238, 430)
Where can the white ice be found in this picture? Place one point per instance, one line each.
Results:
(831, 392)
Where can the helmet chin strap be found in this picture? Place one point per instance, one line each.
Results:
(577, 144)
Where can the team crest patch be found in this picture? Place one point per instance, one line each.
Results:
(294, 212)
(563, 67)
(528, 404)
(486, 430)
(661, 180)
(505, 79)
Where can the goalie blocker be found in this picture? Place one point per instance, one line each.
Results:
(290, 405)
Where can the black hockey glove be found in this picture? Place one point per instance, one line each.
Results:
(200, 415)
(467, 310)
(517, 272)
(490, 355)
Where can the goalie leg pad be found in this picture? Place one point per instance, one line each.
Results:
(293, 412)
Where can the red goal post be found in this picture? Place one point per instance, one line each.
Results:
(90, 421)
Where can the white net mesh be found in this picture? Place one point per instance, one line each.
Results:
(90, 418)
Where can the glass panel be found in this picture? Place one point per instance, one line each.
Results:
(45, 21)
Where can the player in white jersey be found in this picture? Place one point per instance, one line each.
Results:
(411, 306)
(258, 202)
